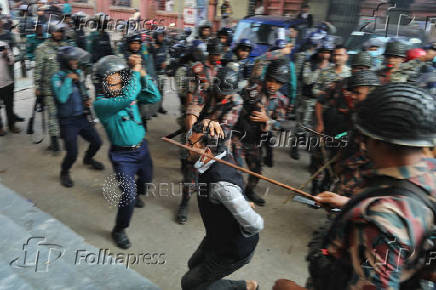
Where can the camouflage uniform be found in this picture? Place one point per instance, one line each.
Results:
(307, 103)
(377, 236)
(275, 107)
(32, 42)
(329, 82)
(46, 65)
(328, 76)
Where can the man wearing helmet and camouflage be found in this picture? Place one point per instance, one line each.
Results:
(305, 111)
(73, 108)
(220, 103)
(264, 108)
(204, 33)
(382, 237)
(46, 65)
(34, 40)
(353, 159)
(240, 55)
(395, 55)
(118, 89)
(225, 36)
(200, 78)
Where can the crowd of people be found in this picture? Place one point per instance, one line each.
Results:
(373, 117)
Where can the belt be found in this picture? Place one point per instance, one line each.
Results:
(127, 148)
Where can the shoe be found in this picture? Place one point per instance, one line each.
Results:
(66, 179)
(93, 163)
(139, 203)
(182, 214)
(19, 119)
(54, 144)
(252, 196)
(268, 161)
(295, 153)
(15, 130)
(2, 132)
(120, 238)
(162, 111)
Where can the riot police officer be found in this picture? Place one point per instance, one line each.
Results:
(117, 90)
(73, 108)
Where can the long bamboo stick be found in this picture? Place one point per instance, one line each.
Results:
(260, 176)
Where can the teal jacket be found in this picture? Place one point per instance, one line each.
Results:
(68, 9)
(120, 115)
(32, 42)
(69, 98)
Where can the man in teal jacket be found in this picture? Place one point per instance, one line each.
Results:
(72, 102)
(35, 39)
(118, 90)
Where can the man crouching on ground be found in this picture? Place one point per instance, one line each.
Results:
(232, 226)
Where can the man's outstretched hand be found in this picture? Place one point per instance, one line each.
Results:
(214, 128)
(330, 200)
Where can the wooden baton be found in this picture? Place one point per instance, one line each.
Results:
(260, 176)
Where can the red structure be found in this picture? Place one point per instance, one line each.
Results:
(283, 7)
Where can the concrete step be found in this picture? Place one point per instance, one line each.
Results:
(39, 252)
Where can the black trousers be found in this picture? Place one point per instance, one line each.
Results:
(128, 164)
(70, 129)
(7, 95)
(206, 270)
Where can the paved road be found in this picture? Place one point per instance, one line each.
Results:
(32, 172)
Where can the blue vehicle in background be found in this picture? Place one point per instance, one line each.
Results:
(263, 30)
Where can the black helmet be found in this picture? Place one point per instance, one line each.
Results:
(56, 27)
(226, 81)
(362, 59)
(245, 42)
(204, 24)
(106, 66)
(278, 70)
(396, 48)
(214, 47)
(187, 31)
(68, 53)
(225, 31)
(158, 32)
(398, 113)
(364, 78)
(135, 37)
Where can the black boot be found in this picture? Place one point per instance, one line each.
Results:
(54, 144)
(139, 203)
(19, 119)
(93, 163)
(66, 179)
(162, 110)
(252, 196)
(182, 211)
(294, 153)
(120, 238)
